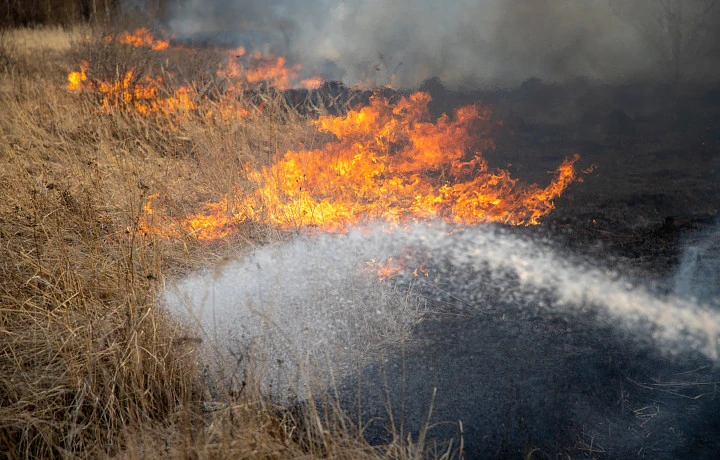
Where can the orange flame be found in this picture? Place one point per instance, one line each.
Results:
(144, 94)
(76, 80)
(257, 68)
(253, 70)
(141, 94)
(215, 222)
(149, 224)
(393, 268)
(389, 162)
(312, 82)
(384, 271)
(272, 70)
(140, 38)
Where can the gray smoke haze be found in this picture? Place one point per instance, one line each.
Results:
(467, 42)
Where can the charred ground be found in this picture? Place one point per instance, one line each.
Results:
(650, 156)
(524, 380)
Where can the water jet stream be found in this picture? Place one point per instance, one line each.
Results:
(309, 307)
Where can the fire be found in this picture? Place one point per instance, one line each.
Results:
(145, 95)
(76, 80)
(389, 162)
(142, 94)
(148, 225)
(227, 110)
(251, 71)
(141, 38)
(272, 70)
(312, 82)
(392, 268)
(150, 97)
(384, 271)
(215, 222)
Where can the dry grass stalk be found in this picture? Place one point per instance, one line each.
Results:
(90, 364)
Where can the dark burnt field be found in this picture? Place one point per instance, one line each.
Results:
(532, 382)
(656, 180)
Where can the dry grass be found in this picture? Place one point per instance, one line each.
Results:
(50, 38)
(90, 364)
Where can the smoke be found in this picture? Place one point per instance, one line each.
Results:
(463, 42)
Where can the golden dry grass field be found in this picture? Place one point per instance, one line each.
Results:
(90, 364)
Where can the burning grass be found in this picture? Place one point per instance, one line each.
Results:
(90, 364)
(113, 182)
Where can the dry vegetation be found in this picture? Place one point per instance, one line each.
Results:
(90, 364)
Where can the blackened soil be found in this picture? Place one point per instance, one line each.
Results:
(508, 386)
(651, 155)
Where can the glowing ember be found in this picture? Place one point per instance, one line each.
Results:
(389, 162)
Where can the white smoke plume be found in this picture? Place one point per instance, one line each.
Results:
(466, 42)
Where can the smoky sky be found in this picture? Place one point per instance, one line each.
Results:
(465, 43)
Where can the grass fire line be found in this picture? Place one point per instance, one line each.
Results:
(388, 162)
(112, 187)
(147, 95)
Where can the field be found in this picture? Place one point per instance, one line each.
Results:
(91, 365)
(126, 167)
